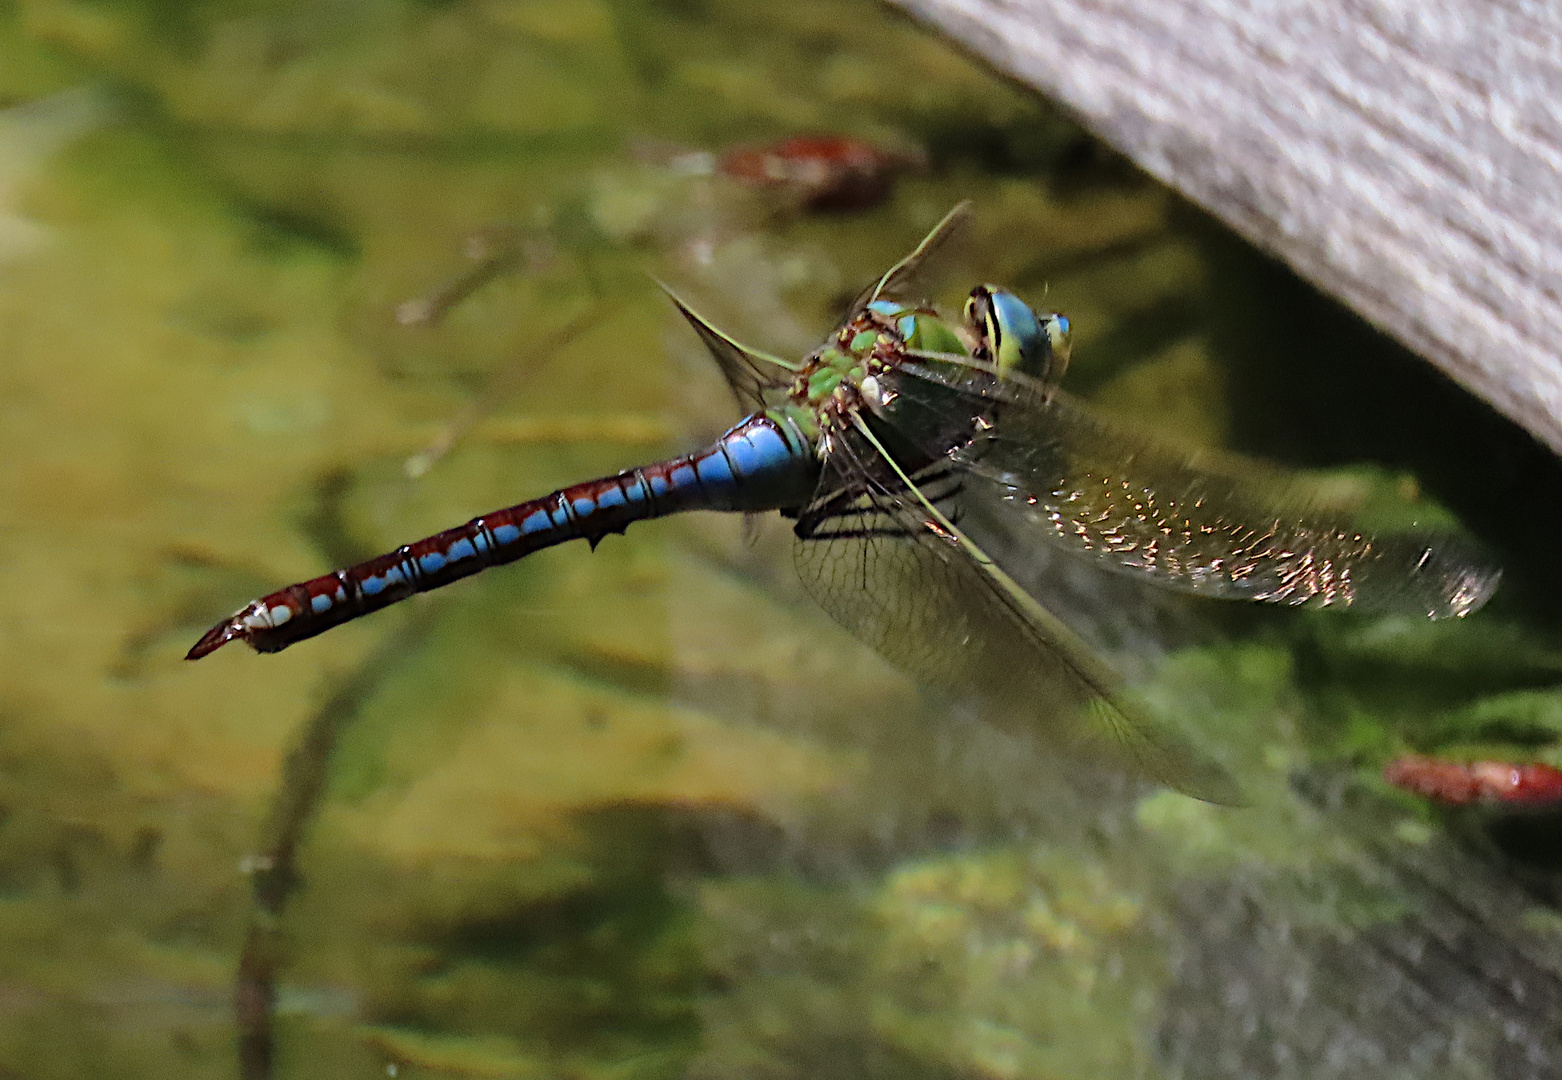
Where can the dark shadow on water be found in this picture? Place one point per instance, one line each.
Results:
(1315, 385)
(1533, 841)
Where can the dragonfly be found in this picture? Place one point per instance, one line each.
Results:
(873, 443)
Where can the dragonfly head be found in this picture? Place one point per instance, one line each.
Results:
(1013, 337)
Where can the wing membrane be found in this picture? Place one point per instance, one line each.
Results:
(880, 556)
(750, 373)
(912, 277)
(1196, 522)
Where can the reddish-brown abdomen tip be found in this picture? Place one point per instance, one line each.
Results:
(212, 640)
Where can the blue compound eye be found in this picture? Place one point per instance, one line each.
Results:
(1013, 337)
(1019, 344)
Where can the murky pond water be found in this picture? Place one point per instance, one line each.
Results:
(645, 811)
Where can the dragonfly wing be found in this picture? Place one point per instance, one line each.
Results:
(914, 278)
(891, 567)
(749, 372)
(907, 279)
(1197, 522)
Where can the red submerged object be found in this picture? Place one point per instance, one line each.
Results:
(1462, 783)
(826, 172)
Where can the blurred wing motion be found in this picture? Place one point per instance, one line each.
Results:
(1195, 522)
(877, 551)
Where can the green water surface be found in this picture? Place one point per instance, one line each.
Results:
(644, 811)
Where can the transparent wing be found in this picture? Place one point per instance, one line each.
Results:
(752, 374)
(1204, 523)
(749, 372)
(914, 277)
(891, 567)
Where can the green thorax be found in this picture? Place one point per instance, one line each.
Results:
(847, 371)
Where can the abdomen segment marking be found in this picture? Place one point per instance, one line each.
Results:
(761, 464)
